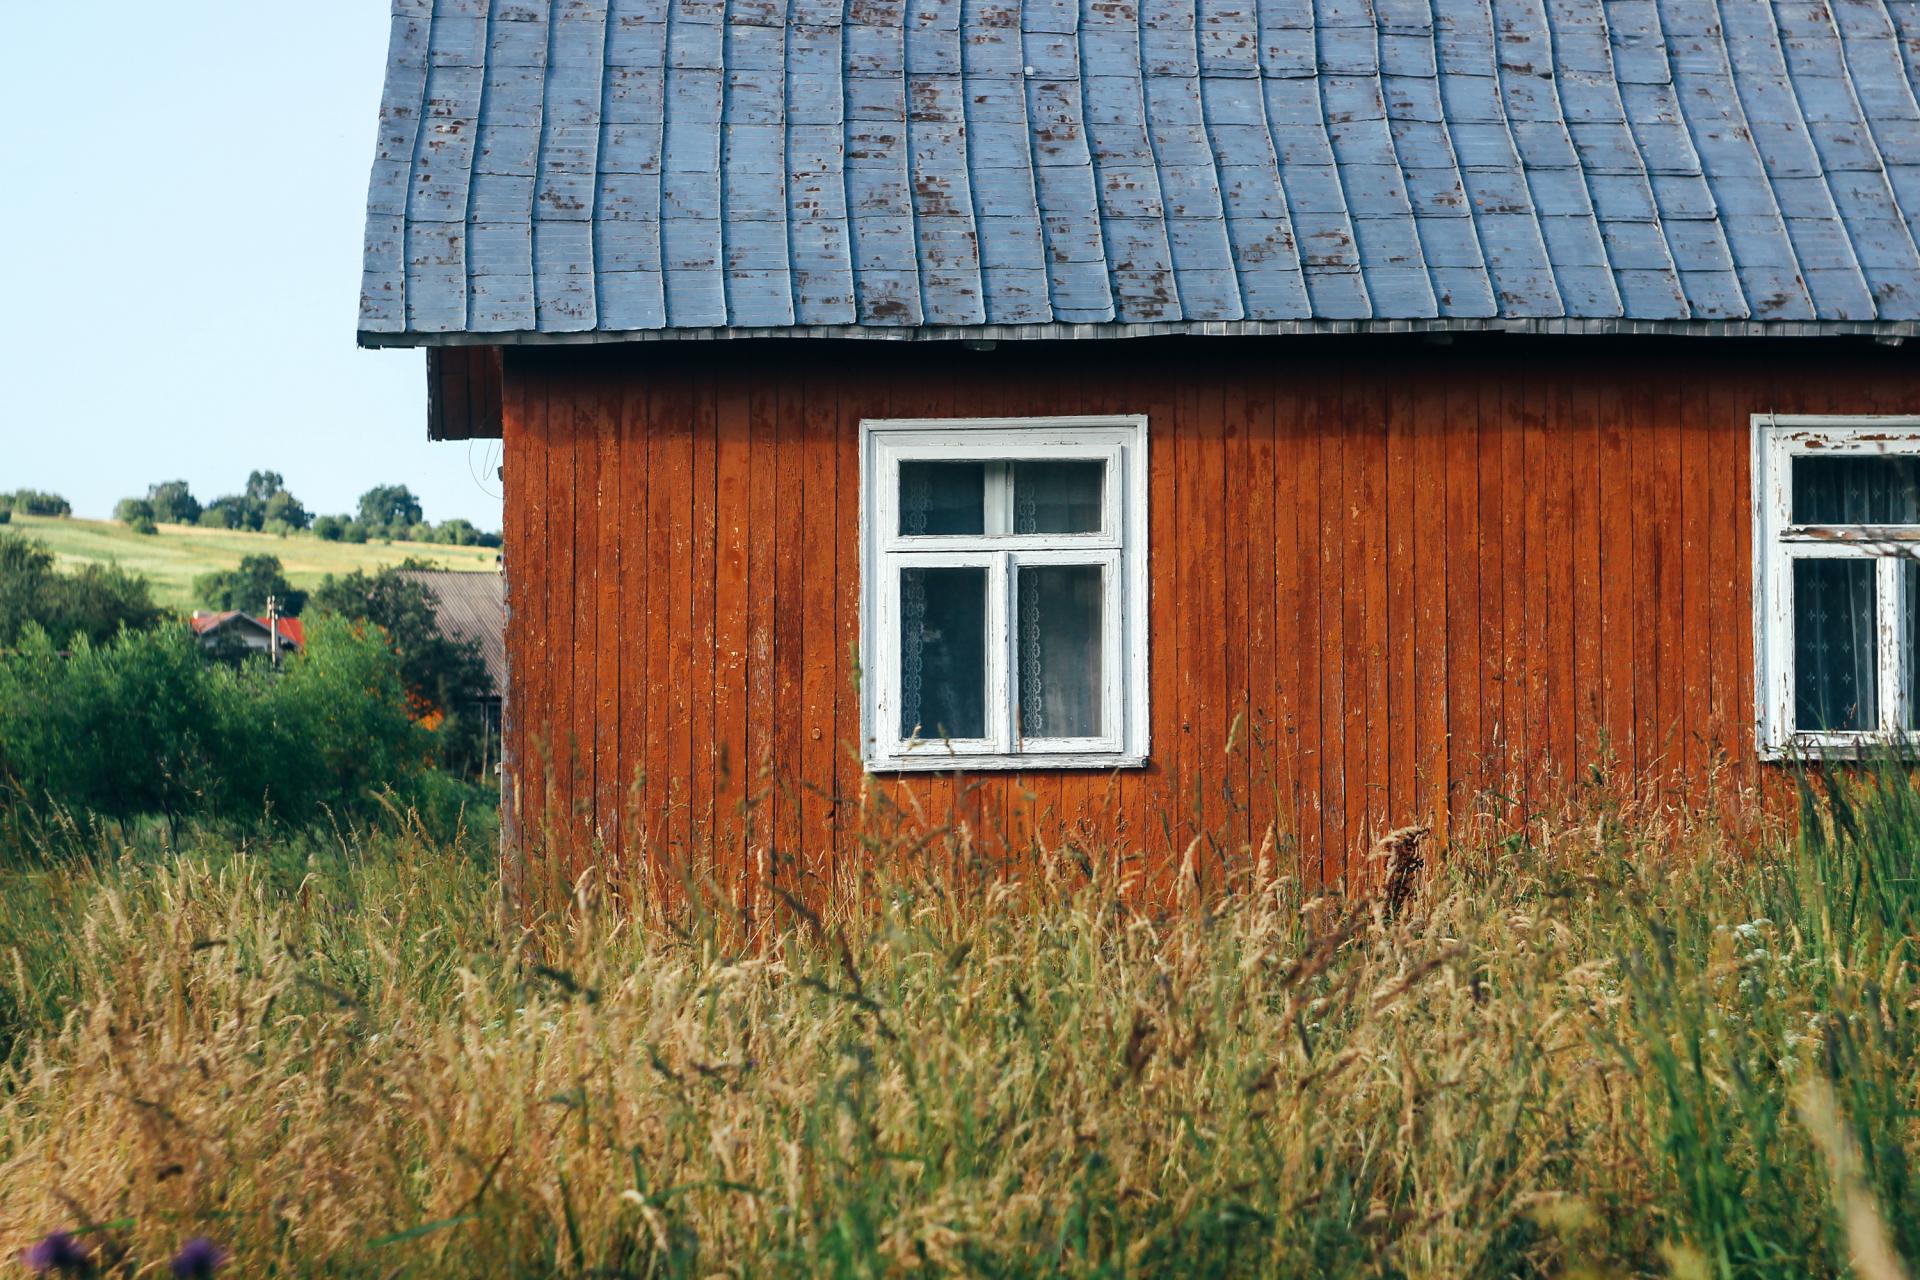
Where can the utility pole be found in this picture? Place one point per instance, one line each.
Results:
(273, 632)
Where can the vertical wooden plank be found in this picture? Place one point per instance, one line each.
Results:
(1431, 565)
(1551, 401)
(583, 635)
(1330, 427)
(1536, 488)
(606, 654)
(635, 575)
(1525, 488)
(703, 668)
(819, 539)
(1236, 510)
(1495, 726)
(789, 635)
(762, 411)
(733, 781)
(1693, 652)
(1400, 724)
(1464, 703)
(858, 394)
(1617, 518)
(1213, 713)
(1369, 722)
(1164, 548)
(1264, 727)
(665, 486)
(1289, 631)
(1583, 517)
(1311, 636)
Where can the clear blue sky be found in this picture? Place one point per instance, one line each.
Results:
(181, 192)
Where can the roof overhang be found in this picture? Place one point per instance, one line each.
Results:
(458, 380)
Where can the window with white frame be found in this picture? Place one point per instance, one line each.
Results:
(1837, 582)
(1003, 592)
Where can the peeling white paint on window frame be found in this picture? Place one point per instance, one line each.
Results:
(1120, 548)
(1778, 542)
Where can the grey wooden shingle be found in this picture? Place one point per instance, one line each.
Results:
(620, 167)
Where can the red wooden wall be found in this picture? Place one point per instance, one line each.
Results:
(1394, 578)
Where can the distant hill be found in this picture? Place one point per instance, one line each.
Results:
(179, 553)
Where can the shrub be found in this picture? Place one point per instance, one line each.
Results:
(355, 532)
(220, 514)
(91, 602)
(6, 515)
(441, 675)
(143, 525)
(144, 725)
(127, 510)
(329, 528)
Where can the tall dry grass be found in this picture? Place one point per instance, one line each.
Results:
(1616, 1043)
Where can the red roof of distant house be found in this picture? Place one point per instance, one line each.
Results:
(292, 630)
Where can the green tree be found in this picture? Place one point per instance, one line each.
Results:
(440, 673)
(127, 510)
(390, 506)
(173, 502)
(92, 602)
(247, 587)
(286, 509)
(34, 502)
(329, 528)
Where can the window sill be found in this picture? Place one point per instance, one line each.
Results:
(1016, 763)
(1812, 750)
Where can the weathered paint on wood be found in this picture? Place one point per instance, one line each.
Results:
(1389, 583)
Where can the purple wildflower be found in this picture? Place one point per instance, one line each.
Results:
(59, 1254)
(197, 1259)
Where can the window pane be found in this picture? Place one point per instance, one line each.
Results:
(1057, 497)
(1856, 490)
(1836, 662)
(942, 497)
(943, 653)
(1060, 651)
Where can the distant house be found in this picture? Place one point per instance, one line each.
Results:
(229, 629)
(473, 606)
(1162, 422)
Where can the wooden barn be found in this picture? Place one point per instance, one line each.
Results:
(1131, 421)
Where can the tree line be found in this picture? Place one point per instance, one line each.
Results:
(386, 512)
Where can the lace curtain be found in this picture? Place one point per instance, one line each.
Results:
(1836, 655)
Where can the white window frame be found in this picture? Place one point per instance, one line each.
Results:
(1778, 542)
(1120, 548)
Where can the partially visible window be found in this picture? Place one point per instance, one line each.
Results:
(1837, 576)
(1003, 593)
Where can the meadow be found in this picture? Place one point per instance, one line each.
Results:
(177, 554)
(1623, 1041)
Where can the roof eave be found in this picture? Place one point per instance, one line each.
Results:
(1893, 331)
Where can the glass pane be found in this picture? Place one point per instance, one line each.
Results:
(942, 497)
(943, 653)
(1856, 490)
(1057, 497)
(1060, 651)
(1836, 662)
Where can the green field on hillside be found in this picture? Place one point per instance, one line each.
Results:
(180, 553)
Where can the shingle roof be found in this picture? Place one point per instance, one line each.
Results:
(470, 606)
(598, 169)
